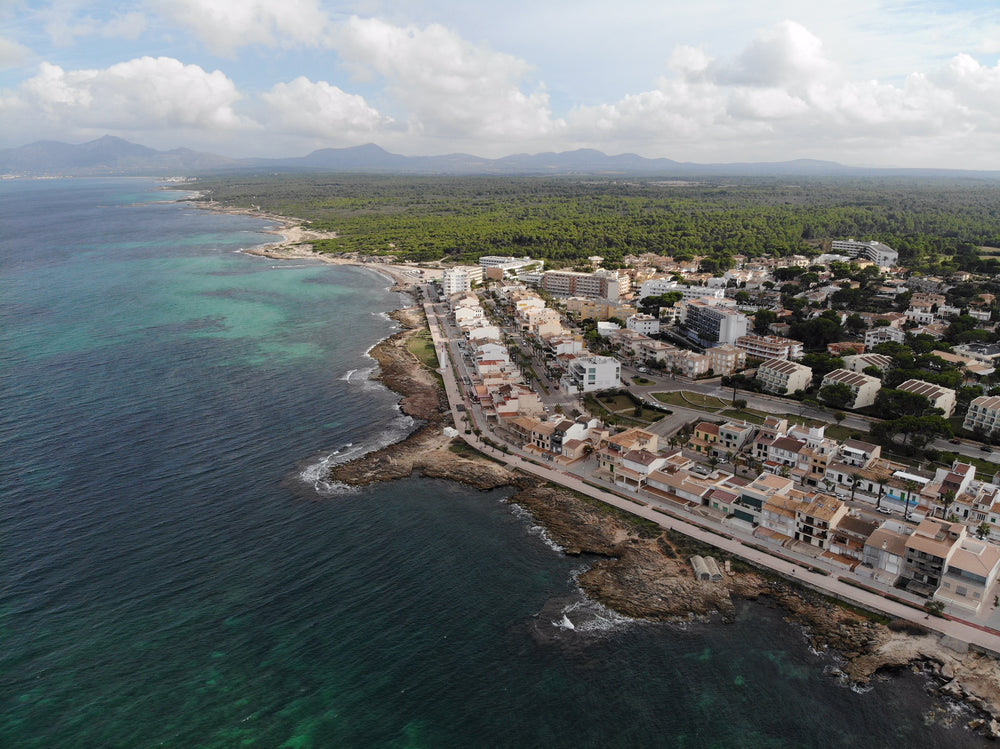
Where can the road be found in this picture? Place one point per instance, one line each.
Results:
(983, 631)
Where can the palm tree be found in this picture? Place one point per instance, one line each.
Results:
(911, 486)
(947, 498)
(855, 480)
(983, 530)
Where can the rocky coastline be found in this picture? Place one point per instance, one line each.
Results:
(643, 571)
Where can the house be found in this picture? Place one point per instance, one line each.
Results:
(885, 551)
(585, 374)
(969, 573)
(860, 362)
(928, 549)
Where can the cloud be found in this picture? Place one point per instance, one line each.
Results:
(321, 109)
(145, 93)
(784, 97)
(64, 23)
(225, 26)
(448, 86)
(12, 53)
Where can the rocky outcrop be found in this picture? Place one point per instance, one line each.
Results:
(643, 571)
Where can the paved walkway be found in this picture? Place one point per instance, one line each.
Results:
(978, 635)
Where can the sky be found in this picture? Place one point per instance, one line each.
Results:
(900, 83)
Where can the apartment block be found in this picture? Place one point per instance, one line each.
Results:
(783, 377)
(766, 347)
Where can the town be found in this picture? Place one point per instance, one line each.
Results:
(859, 448)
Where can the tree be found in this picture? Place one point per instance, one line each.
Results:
(911, 487)
(837, 395)
(947, 499)
(763, 320)
(983, 530)
(855, 480)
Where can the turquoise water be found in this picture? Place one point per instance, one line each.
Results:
(173, 572)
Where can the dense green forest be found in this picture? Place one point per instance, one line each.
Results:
(936, 225)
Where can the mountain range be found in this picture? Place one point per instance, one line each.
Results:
(110, 155)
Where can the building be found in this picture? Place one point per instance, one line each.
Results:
(598, 309)
(860, 362)
(767, 347)
(783, 377)
(880, 254)
(645, 324)
(660, 286)
(585, 374)
(928, 550)
(602, 284)
(725, 359)
(969, 573)
(863, 387)
(939, 397)
(498, 266)
(712, 324)
(883, 335)
(983, 415)
(461, 278)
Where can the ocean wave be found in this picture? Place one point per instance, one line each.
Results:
(315, 470)
(534, 529)
(593, 617)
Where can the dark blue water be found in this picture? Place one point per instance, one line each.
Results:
(173, 572)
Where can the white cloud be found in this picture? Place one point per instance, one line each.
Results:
(146, 93)
(320, 109)
(448, 86)
(12, 53)
(782, 97)
(64, 22)
(225, 26)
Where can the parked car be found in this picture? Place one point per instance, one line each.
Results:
(885, 510)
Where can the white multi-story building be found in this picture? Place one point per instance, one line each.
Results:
(863, 387)
(883, 335)
(880, 254)
(510, 265)
(783, 377)
(768, 347)
(711, 323)
(461, 278)
(584, 374)
(983, 414)
(645, 324)
(939, 397)
(659, 286)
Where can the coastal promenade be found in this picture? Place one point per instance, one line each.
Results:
(979, 636)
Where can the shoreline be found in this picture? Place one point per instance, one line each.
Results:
(644, 574)
(636, 574)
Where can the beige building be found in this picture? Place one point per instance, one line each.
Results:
(863, 387)
(939, 397)
(783, 377)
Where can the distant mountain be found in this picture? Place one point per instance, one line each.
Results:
(110, 155)
(107, 155)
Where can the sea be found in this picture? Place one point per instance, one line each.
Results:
(175, 571)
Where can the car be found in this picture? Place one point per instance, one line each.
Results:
(885, 510)
(955, 441)
(986, 449)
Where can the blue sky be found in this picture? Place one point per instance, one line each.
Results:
(896, 83)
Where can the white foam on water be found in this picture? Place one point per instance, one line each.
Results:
(564, 623)
(347, 377)
(534, 529)
(591, 617)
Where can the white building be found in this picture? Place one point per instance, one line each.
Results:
(659, 286)
(983, 414)
(939, 397)
(461, 278)
(711, 323)
(767, 347)
(883, 335)
(585, 374)
(880, 254)
(863, 387)
(645, 324)
(783, 377)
